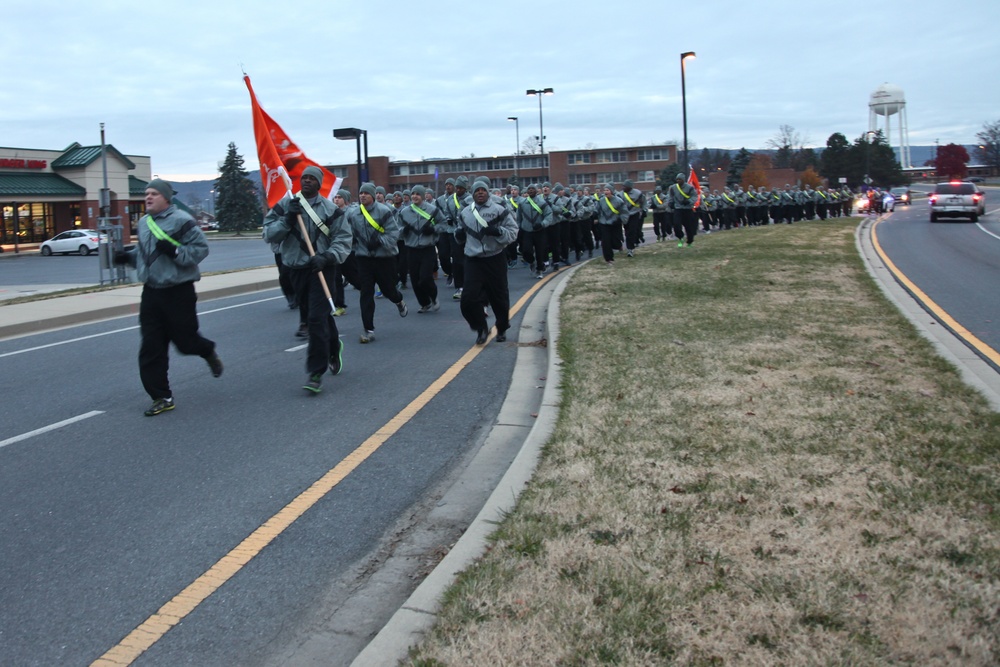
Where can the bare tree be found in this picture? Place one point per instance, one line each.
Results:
(530, 145)
(988, 150)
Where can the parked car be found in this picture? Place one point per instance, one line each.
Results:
(975, 179)
(82, 241)
(957, 199)
(902, 195)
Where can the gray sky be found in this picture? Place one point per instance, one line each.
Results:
(438, 79)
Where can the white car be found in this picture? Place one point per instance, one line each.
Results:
(82, 241)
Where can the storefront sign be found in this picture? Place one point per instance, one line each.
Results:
(17, 163)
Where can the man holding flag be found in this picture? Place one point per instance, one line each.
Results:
(315, 238)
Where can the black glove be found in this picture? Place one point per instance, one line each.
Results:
(490, 230)
(121, 258)
(373, 243)
(536, 226)
(295, 206)
(460, 235)
(317, 263)
(167, 248)
(427, 229)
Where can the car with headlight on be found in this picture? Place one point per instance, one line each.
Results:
(82, 241)
(957, 199)
(902, 195)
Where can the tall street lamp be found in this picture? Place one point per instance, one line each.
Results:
(346, 133)
(517, 145)
(541, 130)
(684, 108)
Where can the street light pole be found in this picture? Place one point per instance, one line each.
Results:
(346, 133)
(541, 128)
(684, 111)
(517, 145)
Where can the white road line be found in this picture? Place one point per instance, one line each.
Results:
(297, 348)
(65, 342)
(108, 333)
(50, 427)
(980, 225)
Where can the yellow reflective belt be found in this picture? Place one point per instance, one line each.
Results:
(681, 190)
(159, 233)
(629, 200)
(608, 202)
(458, 207)
(371, 220)
(534, 205)
(421, 212)
(658, 200)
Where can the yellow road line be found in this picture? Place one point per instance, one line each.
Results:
(173, 612)
(928, 303)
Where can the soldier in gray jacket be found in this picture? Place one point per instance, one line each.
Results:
(166, 258)
(683, 197)
(330, 237)
(610, 210)
(534, 215)
(486, 227)
(418, 226)
(376, 232)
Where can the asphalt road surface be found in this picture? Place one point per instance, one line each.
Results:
(107, 515)
(956, 263)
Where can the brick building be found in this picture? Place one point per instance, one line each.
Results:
(580, 167)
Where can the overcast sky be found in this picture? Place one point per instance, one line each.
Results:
(438, 79)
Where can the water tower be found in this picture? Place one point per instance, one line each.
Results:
(888, 100)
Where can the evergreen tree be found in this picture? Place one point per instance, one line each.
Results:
(834, 164)
(238, 205)
(668, 175)
(876, 159)
(737, 167)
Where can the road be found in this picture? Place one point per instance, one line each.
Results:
(956, 263)
(33, 269)
(108, 515)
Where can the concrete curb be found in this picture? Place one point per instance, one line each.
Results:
(417, 616)
(976, 372)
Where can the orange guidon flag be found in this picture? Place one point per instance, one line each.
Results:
(281, 161)
(692, 179)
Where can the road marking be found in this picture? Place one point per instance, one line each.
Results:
(116, 331)
(173, 612)
(297, 348)
(980, 225)
(935, 309)
(50, 427)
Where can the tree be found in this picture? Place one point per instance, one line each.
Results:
(834, 164)
(952, 162)
(785, 144)
(755, 173)
(668, 175)
(810, 177)
(875, 158)
(530, 145)
(737, 166)
(988, 151)
(238, 206)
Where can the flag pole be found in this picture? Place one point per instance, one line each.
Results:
(312, 253)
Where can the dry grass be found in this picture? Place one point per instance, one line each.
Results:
(757, 462)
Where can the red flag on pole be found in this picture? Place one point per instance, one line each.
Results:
(693, 180)
(281, 161)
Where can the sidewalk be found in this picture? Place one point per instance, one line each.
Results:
(19, 319)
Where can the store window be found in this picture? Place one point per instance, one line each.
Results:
(29, 223)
